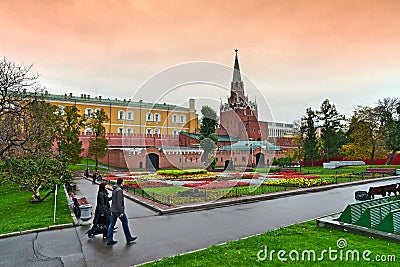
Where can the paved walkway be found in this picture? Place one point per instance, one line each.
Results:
(161, 236)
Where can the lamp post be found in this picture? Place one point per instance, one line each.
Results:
(298, 146)
(87, 161)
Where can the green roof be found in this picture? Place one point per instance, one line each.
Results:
(247, 145)
(107, 101)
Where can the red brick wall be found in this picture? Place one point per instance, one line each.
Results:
(137, 140)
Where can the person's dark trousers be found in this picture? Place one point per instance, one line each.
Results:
(125, 226)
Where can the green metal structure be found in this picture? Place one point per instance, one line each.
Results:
(375, 214)
(391, 223)
(382, 214)
(353, 212)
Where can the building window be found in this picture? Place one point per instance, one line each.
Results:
(176, 132)
(157, 117)
(156, 131)
(120, 130)
(183, 119)
(121, 115)
(243, 159)
(149, 131)
(129, 116)
(175, 118)
(129, 131)
(88, 112)
(149, 116)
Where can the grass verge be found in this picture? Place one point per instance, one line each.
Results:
(18, 214)
(296, 238)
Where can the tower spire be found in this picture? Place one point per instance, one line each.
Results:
(236, 70)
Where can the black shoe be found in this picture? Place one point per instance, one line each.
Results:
(112, 242)
(133, 238)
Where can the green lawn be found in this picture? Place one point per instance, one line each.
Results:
(293, 239)
(92, 163)
(18, 214)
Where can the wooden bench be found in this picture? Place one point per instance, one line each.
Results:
(382, 190)
(392, 188)
(390, 171)
(70, 186)
(375, 191)
(288, 170)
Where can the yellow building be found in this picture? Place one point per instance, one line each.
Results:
(129, 117)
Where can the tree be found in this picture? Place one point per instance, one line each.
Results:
(28, 131)
(37, 174)
(70, 128)
(208, 139)
(330, 128)
(307, 130)
(389, 110)
(358, 146)
(18, 89)
(367, 131)
(98, 145)
(31, 133)
(41, 125)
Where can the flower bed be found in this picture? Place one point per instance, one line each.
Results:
(293, 175)
(114, 178)
(178, 173)
(109, 175)
(217, 184)
(148, 184)
(299, 182)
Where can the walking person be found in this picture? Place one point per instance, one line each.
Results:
(118, 211)
(94, 177)
(102, 213)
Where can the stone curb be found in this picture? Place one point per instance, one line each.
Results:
(38, 230)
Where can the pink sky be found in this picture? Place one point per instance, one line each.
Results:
(297, 52)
